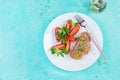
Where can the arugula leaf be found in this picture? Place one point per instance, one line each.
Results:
(59, 32)
(65, 30)
(71, 22)
(62, 54)
(62, 32)
(63, 40)
(54, 50)
(59, 52)
(64, 25)
(75, 24)
(65, 51)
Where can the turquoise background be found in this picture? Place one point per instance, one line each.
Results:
(22, 27)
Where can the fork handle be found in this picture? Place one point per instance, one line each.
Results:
(98, 48)
(96, 44)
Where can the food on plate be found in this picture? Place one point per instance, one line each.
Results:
(71, 38)
(59, 51)
(57, 38)
(75, 29)
(65, 36)
(61, 33)
(82, 46)
(69, 24)
(59, 46)
(68, 45)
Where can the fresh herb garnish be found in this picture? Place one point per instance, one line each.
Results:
(62, 33)
(75, 24)
(71, 22)
(59, 51)
(63, 40)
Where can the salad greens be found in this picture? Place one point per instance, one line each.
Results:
(71, 22)
(75, 24)
(63, 40)
(59, 51)
(62, 33)
(65, 35)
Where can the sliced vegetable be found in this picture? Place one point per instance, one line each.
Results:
(69, 24)
(75, 30)
(71, 38)
(65, 35)
(68, 45)
(59, 46)
(57, 37)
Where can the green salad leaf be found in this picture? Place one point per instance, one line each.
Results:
(63, 40)
(62, 33)
(59, 51)
(71, 22)
(75, 24)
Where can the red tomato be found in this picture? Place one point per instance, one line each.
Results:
(68, 46)
(71, 38)
(56, 29)
(59, 46)
(74, 30)
(69, 25)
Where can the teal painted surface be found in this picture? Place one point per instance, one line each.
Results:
(22, 27)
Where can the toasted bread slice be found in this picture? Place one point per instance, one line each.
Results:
(81, 47)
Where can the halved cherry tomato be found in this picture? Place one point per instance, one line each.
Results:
(59, 46)
(69, 25)
(68, 45)
(74, 30)
(71, 38)
(57, 38)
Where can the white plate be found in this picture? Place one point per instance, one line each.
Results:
(66, 62)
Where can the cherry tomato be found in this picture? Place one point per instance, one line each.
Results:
(68, 45)
(59, 46)
(69, 25)
(57, 38)
(71, 38)
(74, 30)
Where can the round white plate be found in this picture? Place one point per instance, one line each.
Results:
(66, 62)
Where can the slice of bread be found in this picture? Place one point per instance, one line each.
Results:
(81, 47)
